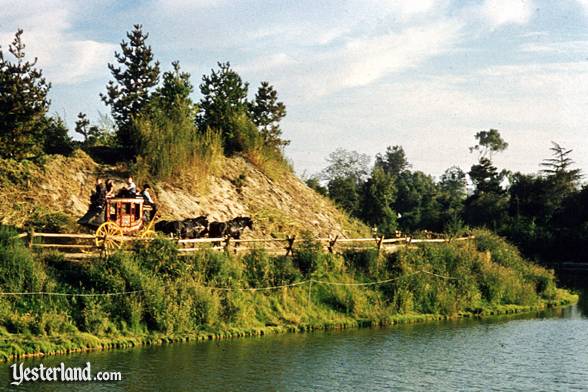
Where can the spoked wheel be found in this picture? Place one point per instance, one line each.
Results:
(108, 237)
(148, 233)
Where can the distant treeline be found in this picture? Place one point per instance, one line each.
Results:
(155, 124)
(545, 214)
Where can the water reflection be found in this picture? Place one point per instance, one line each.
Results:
(546, 352)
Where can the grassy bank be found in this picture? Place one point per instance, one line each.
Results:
(156, 297)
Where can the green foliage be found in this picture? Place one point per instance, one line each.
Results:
(95, 135)
(417, 202)
(57, 139)
(266, 113)
(224, 105)
(379, 196)
(393, 162)
(49, 222)
(209, 292)
(134, 78)
(489, 142)
(171, 146)
(315, 184)
(23, 104)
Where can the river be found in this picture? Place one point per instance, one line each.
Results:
(541, 352)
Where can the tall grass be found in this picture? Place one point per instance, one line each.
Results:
(212, 291)
(173, 148)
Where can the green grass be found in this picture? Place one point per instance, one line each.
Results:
(210, 295)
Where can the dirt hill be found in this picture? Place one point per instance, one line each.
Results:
(278, 206)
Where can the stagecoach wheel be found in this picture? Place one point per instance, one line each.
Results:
(108, 236)
(148, 233)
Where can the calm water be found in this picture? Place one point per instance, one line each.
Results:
(546, 353)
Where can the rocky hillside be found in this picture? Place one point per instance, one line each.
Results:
(279, 206)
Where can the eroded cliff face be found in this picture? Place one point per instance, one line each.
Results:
(279, 206)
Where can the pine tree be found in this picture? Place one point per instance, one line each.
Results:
(82, 126)
(129, 93)
(224, 99)
(266, 113)
(23, 104)
(176, 86)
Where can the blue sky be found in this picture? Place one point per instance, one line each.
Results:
(356, 74)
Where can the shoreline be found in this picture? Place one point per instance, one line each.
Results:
(29, 347)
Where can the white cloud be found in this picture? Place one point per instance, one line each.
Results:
(502, 12)
(566, 47)
(64, 57)
(583, 4)
(362, 61)
(435, 117)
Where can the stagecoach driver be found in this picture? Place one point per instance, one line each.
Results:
(148, 200)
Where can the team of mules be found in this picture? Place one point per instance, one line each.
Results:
(200, 227)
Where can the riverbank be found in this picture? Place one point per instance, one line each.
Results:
(29, 346)
(153, 296)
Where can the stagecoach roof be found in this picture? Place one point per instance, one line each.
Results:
(125, 200)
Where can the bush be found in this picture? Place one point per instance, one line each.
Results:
(172, 146)
(49, 222)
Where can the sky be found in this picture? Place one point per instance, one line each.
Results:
(354, 74)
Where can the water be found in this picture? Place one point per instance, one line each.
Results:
(546, 352)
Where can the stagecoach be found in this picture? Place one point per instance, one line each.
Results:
(120, 217)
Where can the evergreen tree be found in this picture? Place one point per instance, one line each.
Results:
(56, 137)
(224, 99)
(135, 76)
(266, 113)
(558, 170)
(176, 86)
(23, 104)
(393, 161)
(82, 126)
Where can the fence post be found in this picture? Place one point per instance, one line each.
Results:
(332, 243)
(227, 243)
(290, 247)
(380, 241)
(31, 236)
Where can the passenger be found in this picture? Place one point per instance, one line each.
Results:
(98, 197)
(131, 188)
(149, 200)
(109, 188)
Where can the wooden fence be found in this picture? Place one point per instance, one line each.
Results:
(81, 246)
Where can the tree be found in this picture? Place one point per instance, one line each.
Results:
(393, 161)
(489, 142)
(379, 196)
(558, 169)
(487, 206)
(23, 104)
(57, 139)
(345, 176)
(346, 164)
(94, 135)
(176, 87)
(416, 202)
(82, 126)
(452, 194)
(224, 97)
(315, 184)
(266, 113)
(134, 78)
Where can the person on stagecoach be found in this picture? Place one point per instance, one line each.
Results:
(98, 197)
(148, 200)
(109, 188)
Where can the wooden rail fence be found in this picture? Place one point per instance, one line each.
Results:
(81, 246)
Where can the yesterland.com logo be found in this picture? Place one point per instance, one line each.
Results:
(60, 373)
